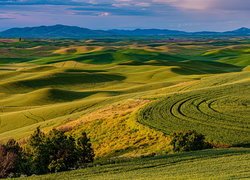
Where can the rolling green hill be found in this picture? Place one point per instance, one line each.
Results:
(129, 96)
(216, 106)
(210, 164)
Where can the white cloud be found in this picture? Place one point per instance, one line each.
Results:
(186, 4)
(143, 4)
(103, 14)
(207, 4)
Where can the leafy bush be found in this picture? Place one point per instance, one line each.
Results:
(12, 160)
(188, 141)
(38, 151)
(57, 152)
(85, 151)
(45, 153)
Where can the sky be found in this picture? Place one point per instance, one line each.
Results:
(188, 15)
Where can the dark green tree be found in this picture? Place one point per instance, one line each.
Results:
(85, 150)
(62, 150)
(38, 151)
(52, 152)
(188, 141)
(55, 151)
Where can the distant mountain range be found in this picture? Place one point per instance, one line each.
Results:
(62, 31)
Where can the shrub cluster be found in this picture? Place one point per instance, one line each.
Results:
(189, 141)
(12, 159)
(45, 153)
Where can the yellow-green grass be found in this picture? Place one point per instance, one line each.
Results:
(114, 131)
(208, 164)
(72, 90)
(78, 49)
(50, 92)
(118, 133)
(236, 54)
(217, 106)
(26, 107)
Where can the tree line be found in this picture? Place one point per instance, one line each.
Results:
(45, 153)
(56, 152)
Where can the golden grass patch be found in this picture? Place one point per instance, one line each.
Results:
(114, 131)
(78, 50)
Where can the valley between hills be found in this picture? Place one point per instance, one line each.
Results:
(129, 96)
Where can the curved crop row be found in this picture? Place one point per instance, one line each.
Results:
(222, 113)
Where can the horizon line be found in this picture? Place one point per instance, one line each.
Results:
(132, 29)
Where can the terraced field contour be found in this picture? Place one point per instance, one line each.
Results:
(221, 112)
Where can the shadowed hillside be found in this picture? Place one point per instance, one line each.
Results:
(127, 95)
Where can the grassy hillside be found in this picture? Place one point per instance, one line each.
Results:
(105, 87)
(216, 106)
(209, 164)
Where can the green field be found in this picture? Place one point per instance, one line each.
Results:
(209, 164)
(129, 95)
(219, 110)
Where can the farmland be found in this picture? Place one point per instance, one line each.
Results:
(218, 110)
(209, 164)
(129, 96)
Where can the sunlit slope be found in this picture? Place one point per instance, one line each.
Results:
(209, 164)
(78, 49)
(238, 54)
(231, 51)
(33, 96)
(112, 55)
(66, 90)
(217, 106)
(57, 79)
(114, 131)
(99, 87)
(116, 55)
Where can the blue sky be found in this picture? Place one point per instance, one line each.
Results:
(189, 15)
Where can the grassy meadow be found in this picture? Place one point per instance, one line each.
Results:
(129, 96)
(208, 164)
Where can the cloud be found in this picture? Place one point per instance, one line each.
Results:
(110, 11)
(231, 4)
(207, 4)
(186, 4)
(104, 14)
(182, 4)
(42, 2)
(6, 18)
(117, 8)
(86, 7)
(126, 3)
(172, 14)
(7, 15)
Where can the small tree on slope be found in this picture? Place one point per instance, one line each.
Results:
(188, 141)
